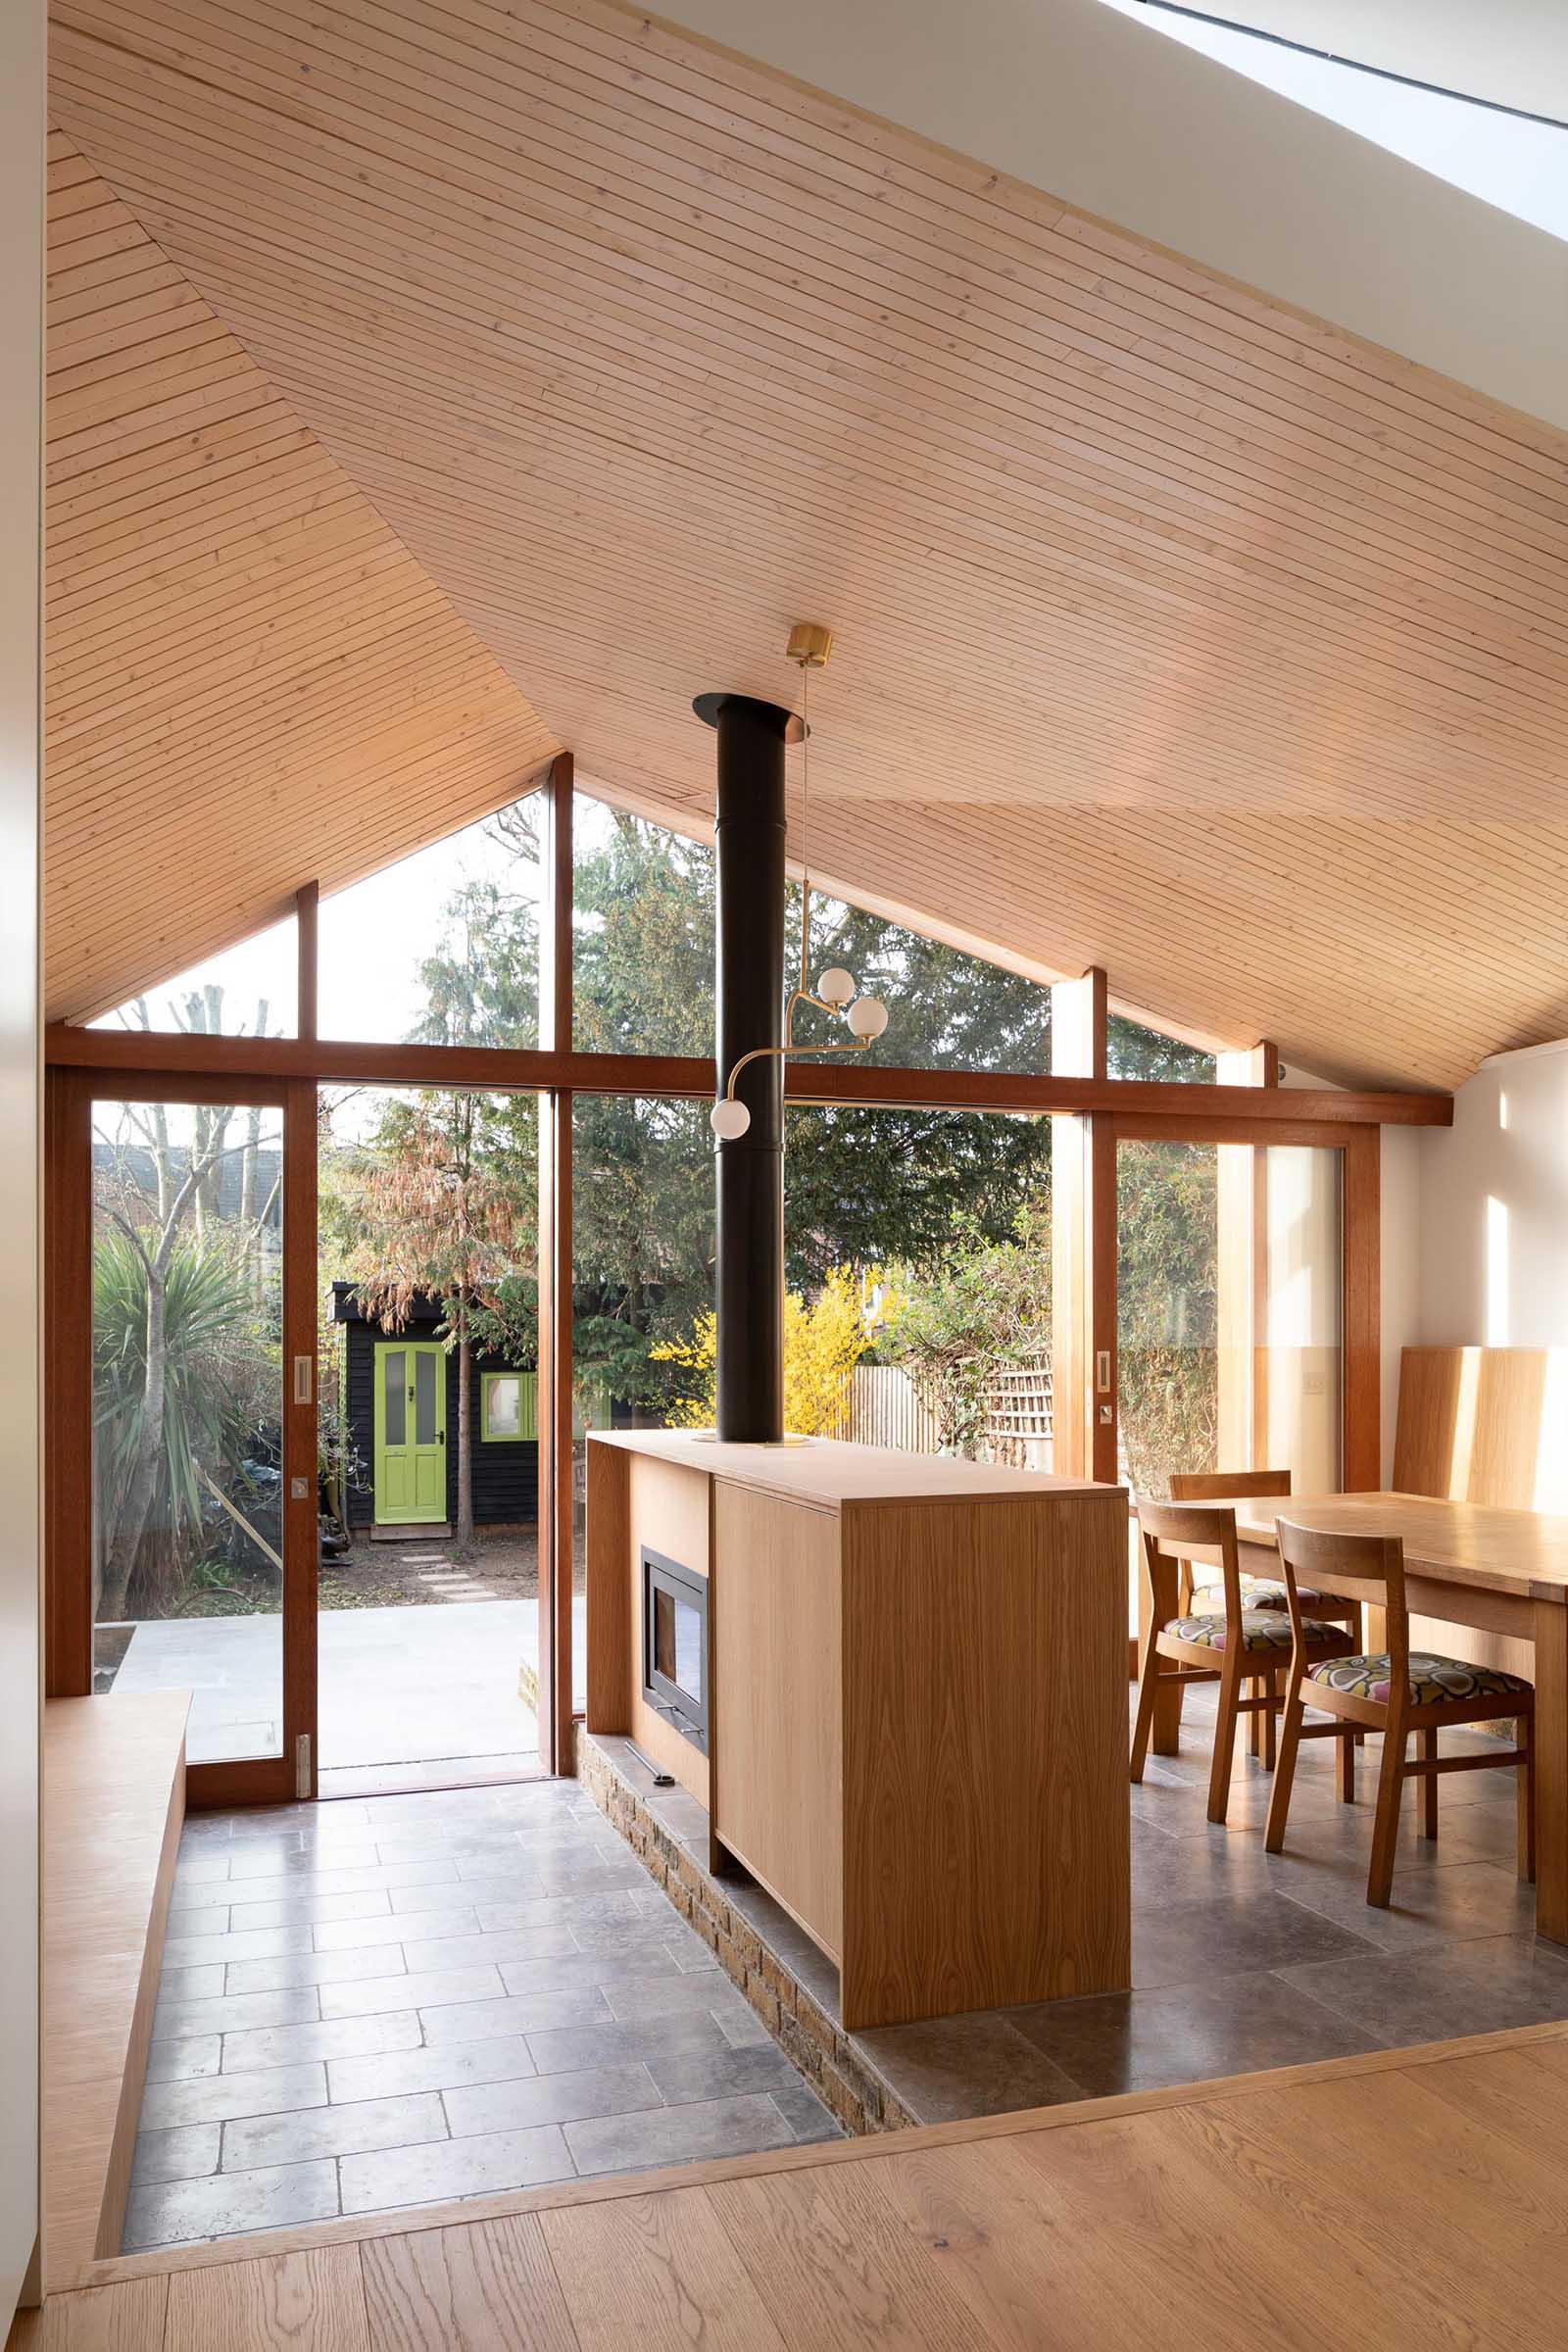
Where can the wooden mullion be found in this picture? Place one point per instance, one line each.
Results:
(1143, 1107)
(67, 1385)
(1241, 1176)
(1102, 1278)
(307, 902)
(301, 1527)
(564, 1500)
(548, 1114)
(154, 1083)
(558, 799)
(1082, 1160)
(1361, 1337)
(555, 1246)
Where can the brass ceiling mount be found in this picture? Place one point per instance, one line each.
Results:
(810, 645)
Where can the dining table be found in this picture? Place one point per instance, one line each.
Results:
(1501, 1571)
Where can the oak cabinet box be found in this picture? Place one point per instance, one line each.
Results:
(914, 1695)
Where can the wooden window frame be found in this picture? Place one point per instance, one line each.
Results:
(522, 1435)
(1092, 1112)
(70, 1093)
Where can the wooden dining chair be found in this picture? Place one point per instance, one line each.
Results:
(1261, 1592)
(1394, 1692)
(1233, 1645)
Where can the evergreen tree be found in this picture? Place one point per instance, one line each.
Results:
(862, 1188)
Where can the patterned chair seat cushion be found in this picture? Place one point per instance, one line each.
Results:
(1257, 1595)
(1432, 1679)
(1261, 1629)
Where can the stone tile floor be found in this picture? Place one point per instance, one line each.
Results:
(409, 1998)
(404, 1999)
(1241, 1960)
(1244, 1960)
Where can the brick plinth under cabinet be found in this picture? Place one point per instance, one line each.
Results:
(791, 1985)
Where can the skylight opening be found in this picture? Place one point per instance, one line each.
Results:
(1507, 159)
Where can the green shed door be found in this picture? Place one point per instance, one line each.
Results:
(411, 1432)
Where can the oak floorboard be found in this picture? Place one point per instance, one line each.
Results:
(1166, 2221)
(1524, 2101)
(660, 2273)
(490, 2288)
(96, 2319)
(1026, 2284)
(834, 2264)
(284, 2303)
(1458, 2236)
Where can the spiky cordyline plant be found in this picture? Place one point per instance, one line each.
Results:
(207, 1413)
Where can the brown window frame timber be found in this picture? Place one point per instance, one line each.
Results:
(82, 1062)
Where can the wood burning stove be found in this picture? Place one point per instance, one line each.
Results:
(675, 1645)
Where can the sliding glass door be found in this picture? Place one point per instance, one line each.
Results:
(198, 1323)
(1229, 1311)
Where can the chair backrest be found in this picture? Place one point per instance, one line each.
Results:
(1203, 1486)
(1369, 1568)
(1174, 1534)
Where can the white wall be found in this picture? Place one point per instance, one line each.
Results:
(1494, 1260)
(21, 164)
(1092, 106)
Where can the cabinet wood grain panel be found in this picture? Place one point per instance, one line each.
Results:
(608, 1622)
(779, 1745)
(668, 1508)
(986, 1820)
(1482, 1425)
(114, 1808)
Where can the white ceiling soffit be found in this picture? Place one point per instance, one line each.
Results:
(1507, 52)
(1087, 104)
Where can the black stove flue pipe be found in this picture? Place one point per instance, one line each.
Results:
(748, 1014)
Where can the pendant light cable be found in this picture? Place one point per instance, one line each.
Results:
(806, 827)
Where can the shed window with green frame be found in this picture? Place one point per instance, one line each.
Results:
(507, 1407)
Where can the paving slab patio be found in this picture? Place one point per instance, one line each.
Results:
(399, 1685)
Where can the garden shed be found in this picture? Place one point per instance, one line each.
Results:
(401, 1422)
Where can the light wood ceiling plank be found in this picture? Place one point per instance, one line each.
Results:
(1145, 587)
(251, 682)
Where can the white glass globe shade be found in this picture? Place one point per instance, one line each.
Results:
(729, 1119)
(837, 987)
(867, 1018)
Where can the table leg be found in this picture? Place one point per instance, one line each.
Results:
(1551, 1769)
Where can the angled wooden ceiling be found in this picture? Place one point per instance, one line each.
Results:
(250, 680)
(1177, 632)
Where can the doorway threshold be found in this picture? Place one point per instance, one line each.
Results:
(431, 1531)
(420, 1779)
